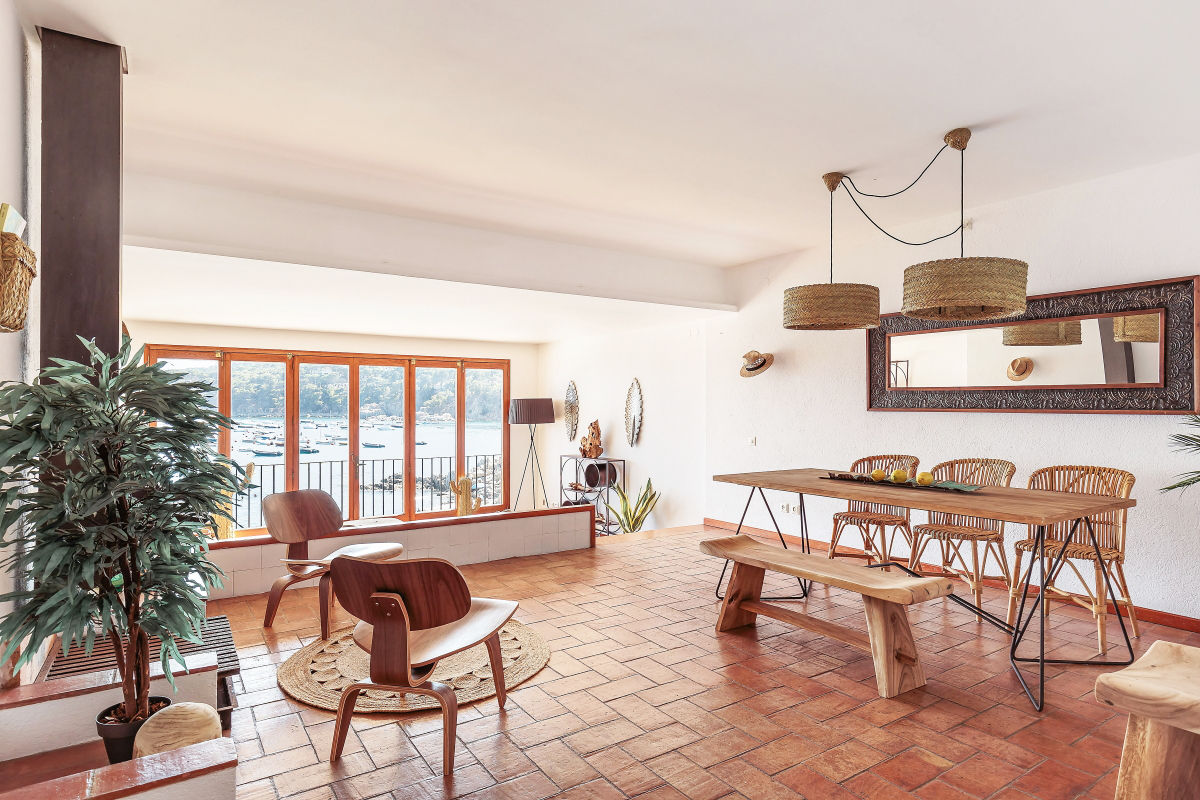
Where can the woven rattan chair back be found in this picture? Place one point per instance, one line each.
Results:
(1107, 481)
(889, 464)
(978, 472)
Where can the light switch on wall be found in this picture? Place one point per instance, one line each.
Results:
(753, 441)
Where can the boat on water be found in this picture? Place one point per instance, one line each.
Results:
(308, 450)
(266, 452)
(420, 442)
(372, 444)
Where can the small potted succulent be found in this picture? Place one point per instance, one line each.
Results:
(113, 487)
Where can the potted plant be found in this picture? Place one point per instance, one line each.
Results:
(632, 516)
(113, 487)
(1186, 443)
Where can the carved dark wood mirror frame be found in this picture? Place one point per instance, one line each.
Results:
(1177, 394)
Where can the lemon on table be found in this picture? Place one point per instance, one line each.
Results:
(924, 478)
(878, 474)
(899, 476)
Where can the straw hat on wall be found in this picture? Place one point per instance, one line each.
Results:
(756, 363)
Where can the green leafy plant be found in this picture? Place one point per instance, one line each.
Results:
(631, 517)
(1186, 443)
(113, 488)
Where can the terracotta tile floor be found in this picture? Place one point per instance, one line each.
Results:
(642, 699)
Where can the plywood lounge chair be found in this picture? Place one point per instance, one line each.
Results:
(415, 613)
(296, 518)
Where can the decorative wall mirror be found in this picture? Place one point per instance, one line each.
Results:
(1119, 349)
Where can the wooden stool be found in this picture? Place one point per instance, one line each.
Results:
(1161, 693)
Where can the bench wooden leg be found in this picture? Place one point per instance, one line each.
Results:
(744, 584)
(893, 648)
(1158, 760)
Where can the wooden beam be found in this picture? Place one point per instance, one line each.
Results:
(856, 639)
(80, 262)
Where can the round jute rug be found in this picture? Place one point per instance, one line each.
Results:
(317, 673)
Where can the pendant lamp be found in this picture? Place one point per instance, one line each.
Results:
(831, 306)
(965, 288)
(1136, 328)
(1060, 333)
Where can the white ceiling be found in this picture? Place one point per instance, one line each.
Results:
(695, 129)
(162, 286)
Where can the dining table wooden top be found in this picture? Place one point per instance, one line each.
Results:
(1029, 506)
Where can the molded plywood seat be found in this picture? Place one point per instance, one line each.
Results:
(1161, 693)
(298, 517)
(889, 638)
(486, 617)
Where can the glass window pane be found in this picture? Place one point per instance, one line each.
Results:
(196, 369)
(325, 430)
(257, 403)
(436, 434)
(381, 440)
(484, 433)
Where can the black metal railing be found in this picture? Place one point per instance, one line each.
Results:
(380, 485)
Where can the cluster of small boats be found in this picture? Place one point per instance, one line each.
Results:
(267, 439)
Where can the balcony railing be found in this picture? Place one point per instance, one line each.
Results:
(380, 485)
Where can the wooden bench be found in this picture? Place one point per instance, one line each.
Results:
(889, 637)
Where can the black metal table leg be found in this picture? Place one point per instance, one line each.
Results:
(1021, 625)
(804, 544)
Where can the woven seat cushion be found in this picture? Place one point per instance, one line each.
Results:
(1074, 550)
(870, 518)
(947, 532)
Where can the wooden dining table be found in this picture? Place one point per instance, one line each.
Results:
(1034, 507)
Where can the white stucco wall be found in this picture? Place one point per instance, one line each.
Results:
(811, 408)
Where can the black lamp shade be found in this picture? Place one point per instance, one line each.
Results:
(531, 411)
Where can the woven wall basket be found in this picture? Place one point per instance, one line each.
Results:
(831, 307)
(974, 288)
(1136, 328)
(1044, 334)
(18, 265)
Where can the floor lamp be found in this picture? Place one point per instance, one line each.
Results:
(531, 411)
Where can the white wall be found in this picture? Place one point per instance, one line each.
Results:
(523, 369)
(810, 409)
(669, 362)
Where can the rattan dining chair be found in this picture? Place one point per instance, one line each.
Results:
(953, 531)
(295, 518)
(1110, 529)
(413, 614)
(873, 520)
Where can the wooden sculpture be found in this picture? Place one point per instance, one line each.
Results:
(464, 502)
(590, 446)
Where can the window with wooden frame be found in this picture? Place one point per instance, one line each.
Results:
(384, 435)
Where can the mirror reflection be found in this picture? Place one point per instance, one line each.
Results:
(1104, 350)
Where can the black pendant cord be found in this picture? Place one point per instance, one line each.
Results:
(850, 181)
(852, 190)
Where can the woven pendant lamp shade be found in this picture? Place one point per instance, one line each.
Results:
(1044, 334)
(831, 307)
(1137, 328)
(975, 288)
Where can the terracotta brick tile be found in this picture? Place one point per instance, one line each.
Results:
(868, 784)
(760, 727)
(553, 728)
(721, 696)
(304, 778)
(275, 764)
(598, 789)
(400, 776)
(1001, 720)
(981, 775)
(662, 740)
(828, 705)
(912, 768)
(752, 782)
(812, 785)
(719, 747)
(573, 683)
(619, 688)
(561, 764)
(639, 712)
(1004, 749)
(782, 753)
(841, 762)
(533, 786)
(630, 776)
(702, 722)
(601, 736)
(501, 757)
(588, 708)
(1051, 781)
(694, 782)
(941, 791)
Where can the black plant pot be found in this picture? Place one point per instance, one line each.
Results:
(118, 736)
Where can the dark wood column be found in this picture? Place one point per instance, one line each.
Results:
(80, 261)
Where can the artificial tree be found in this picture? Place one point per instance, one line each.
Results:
(113, 486)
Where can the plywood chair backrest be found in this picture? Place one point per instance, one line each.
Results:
(301, 515)
(978, 472)
(397, 597)
(1107, 481)
(889, 464)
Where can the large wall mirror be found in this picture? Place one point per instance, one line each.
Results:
(1125, 349)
